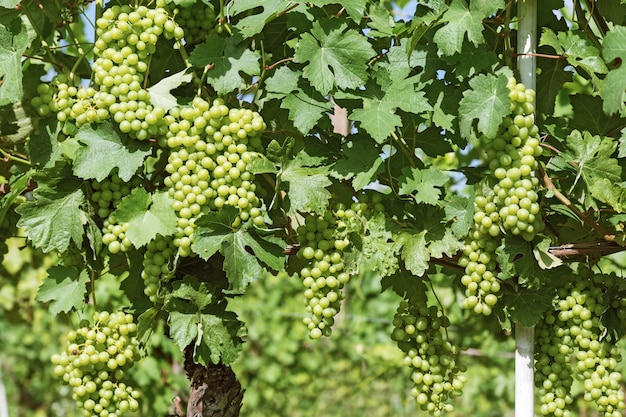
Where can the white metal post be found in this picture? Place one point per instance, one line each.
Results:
(525, 336)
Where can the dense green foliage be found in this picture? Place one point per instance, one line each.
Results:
(175, 160)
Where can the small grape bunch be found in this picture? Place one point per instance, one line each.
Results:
(324, 276)
(157, 264)
(196, 20)
(94, 363)
(109, 192)
(420, 332)
(114, 235)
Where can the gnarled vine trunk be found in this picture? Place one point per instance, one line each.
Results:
(214, 389)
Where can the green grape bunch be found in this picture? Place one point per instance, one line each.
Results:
(421, 333)
(211, 147)
(322, 244)
(197, 20)
(94, 362)
(572, 344)
(506, 201)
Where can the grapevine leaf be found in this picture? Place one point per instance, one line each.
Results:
(261, 164)
(379, 250)
(516, 258)
(381, 22)
(306, 187)
(160, 95)
(399, 65)
(148, 215)
(404, 284)
(164, 61)
(194, 293)
(335, 56)
(102, 151)
(55, 216)
(614, 85)
(183, 328)
(544, 258)
(461, 20)
(243, 249)
(578, 50)
(65, 289)
(252, 24)
(415, 252)
(377, 115)
(355, 8)
(460, 215)
(305, 105)
(550, 82)
(472, 60)
(528, 307)
(221, 338)
(146, 324)
(361, 162)
(422, 184)
(613, 194)
(592, 158)
(225, 60)
(487, 101)
(213, 228)
(589, 119)
(17, 185)
(9, 4)
(13, 43)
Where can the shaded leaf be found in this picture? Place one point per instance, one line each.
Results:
(422, 184)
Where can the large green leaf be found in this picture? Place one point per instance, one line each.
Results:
(487, 101)
(225, 59)
(245, 251)
(378, 115)
(360, 162)
(103, 150)
(422, 184)
(335, 55)
(148, 215)
(13, 43)
(306, 106)
(614, 85)
(65, 289)
(55, 216)
(306, 187)
(461, 20)
(578, 50)
(254, 23)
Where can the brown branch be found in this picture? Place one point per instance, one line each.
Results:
(177, 406)
(600, 247)
(607, 236)
(275, 64)
(541, 55)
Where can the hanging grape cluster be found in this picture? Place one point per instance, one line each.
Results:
(125, 38)
(322, 245)
(94, 362)
(211, 147)
(421, 333)
(158, 265)
(571, 343)
(506, 201)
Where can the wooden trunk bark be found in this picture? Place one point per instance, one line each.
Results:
(214, 389)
